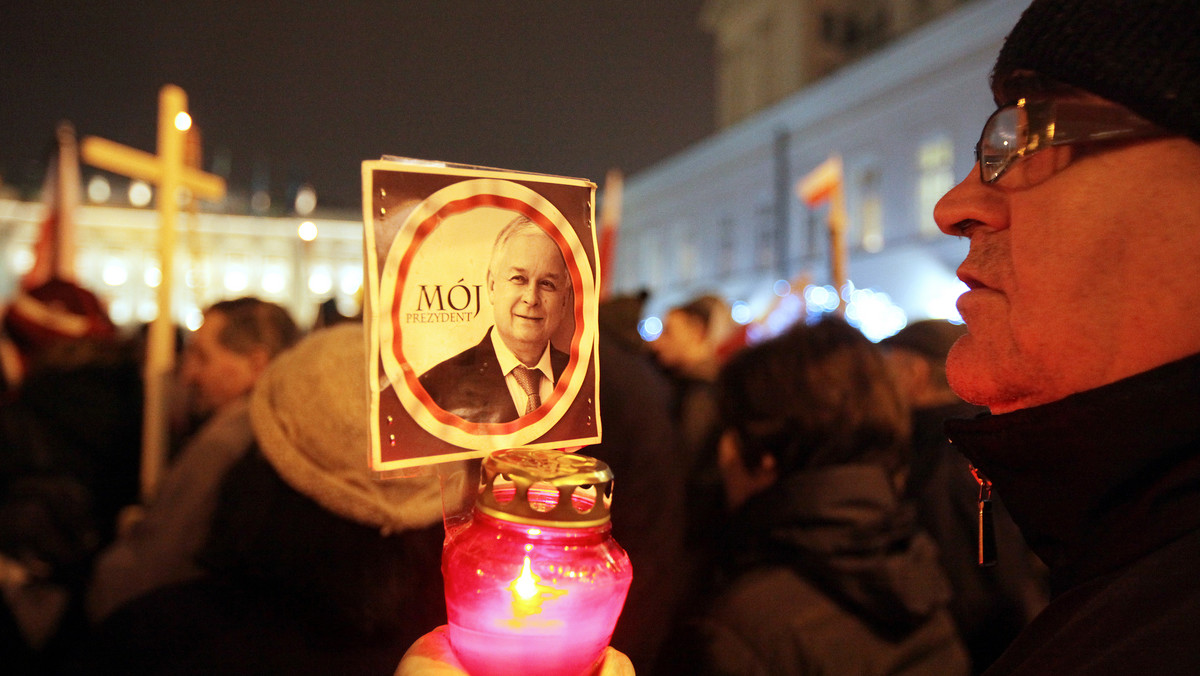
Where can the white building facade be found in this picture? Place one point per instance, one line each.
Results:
(723, 216)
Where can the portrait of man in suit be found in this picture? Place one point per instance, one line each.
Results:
(514, 367)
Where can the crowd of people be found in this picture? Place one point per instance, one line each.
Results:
(1019, 495)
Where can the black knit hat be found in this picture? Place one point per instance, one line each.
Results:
(1143, 54)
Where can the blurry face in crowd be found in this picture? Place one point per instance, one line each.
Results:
(1080, 280)
(530, 291)
(216, 375)
(681, 339)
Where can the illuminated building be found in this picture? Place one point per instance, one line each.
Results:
(723, 215)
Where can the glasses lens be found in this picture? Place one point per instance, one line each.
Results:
(1002, 140)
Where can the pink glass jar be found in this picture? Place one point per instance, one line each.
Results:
(535, 582)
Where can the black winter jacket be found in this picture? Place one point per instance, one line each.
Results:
(1105, 486)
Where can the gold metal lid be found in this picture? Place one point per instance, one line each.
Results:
(545, 488)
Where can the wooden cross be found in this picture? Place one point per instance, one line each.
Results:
(168, 171)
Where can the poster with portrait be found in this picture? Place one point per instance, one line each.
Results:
(481, 311)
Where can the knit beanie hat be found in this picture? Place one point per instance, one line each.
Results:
(1143, 54)
(55, 311)
(312, 421)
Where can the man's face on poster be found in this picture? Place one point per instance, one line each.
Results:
(529, 290)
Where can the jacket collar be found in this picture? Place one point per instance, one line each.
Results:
(1100, 478)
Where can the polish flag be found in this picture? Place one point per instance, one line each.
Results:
(610, 224)
(54, 252)
(820, 184)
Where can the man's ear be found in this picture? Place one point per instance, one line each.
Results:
(491, 283)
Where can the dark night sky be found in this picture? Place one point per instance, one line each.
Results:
(310, 89)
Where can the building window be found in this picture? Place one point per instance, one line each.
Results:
(935, 164)
(870, 218)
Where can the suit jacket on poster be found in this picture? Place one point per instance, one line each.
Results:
(471, 385)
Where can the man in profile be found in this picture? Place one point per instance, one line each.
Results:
(221, 365)
(514, 368)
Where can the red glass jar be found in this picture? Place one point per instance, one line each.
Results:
(535, 582)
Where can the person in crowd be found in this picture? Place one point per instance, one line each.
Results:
(313, 564)
(992, 603)
(514, 368)
(222, 361)
(1082, 340)
(824, 569)
(689, 348)
(647, 508)
(70, 421)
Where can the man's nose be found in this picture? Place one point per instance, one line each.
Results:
(970, 202)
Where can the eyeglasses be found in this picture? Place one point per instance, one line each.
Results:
(1027, 126)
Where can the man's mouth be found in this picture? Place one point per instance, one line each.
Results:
(970, 280)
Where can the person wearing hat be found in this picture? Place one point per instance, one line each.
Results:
(70, 423)
(39, 322)
(313, 565)
(1083, 340)
(990, 604)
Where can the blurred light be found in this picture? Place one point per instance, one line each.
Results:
(147, 310)
(236, 278)
(115, 274)
(152, 276)
(120, 311)
(782, 287)
(874, 313)
(650, 328)
(820, 298)
(140, 193)
(347, 306)
(193, 318)
(320, 282)
(306, 200)
(943, 304)
(98, 189)
(873, 242)
(351, 280)
(183, 121)
(260, 201)
(741, 312)
(22, 261)
(274, 281)
(307, 231)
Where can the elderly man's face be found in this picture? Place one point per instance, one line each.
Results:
(529, 290)
(1081, 280)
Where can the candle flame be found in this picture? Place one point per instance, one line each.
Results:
(528, 594)
(525, 586)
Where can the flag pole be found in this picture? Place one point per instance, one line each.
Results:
(824, 184)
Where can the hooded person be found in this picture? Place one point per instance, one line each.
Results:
(823, 568)
(314, 565)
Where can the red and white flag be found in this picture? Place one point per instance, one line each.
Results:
(821, 183)
(610, 225)
(54, 252)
